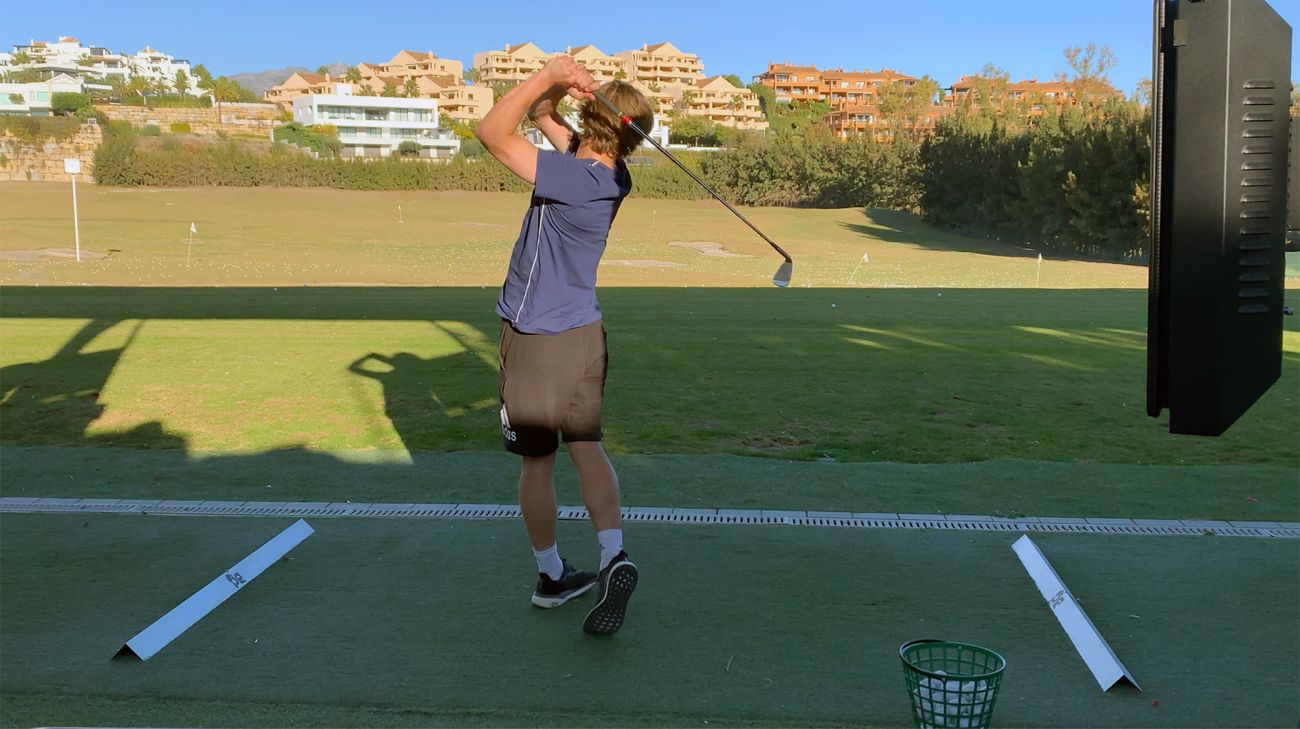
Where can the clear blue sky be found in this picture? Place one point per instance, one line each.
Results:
(943, 38)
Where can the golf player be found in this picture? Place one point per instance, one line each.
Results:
(552, 347)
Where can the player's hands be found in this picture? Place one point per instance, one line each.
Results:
(564, 73)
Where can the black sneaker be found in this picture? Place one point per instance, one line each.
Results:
(617, 582)
(554, 593)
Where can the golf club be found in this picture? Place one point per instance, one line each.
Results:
(783, 274)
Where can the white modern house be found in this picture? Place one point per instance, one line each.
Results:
(375, 126)
(94, 63)
(659, 133)
(35, 98)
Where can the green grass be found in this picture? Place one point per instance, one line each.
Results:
(373, 618)
(282, 237)
(282, 366)
(887, 376)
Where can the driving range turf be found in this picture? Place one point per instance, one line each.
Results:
(935, 384)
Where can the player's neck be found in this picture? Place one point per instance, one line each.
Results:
(585, 152)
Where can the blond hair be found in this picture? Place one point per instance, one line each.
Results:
(604, 132)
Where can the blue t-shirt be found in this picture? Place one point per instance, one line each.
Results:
(550, 286)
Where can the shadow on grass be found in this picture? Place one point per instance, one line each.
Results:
(918, 378)
(896, 227)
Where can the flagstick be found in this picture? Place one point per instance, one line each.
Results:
(399, 214)
(76, 226)
(865, 259)
(189, 247)
(1038, 273)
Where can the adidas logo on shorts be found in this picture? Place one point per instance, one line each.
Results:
(506, 431)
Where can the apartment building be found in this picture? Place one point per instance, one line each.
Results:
(717, 100)
(856, 88)
(662, 98)
(302, 84)
(414, 64)
(1034, 96)
(663, 64)
(856, 120)
(793, 84)
(95, 63)
(409, 73)
(603, 67)
(512, 65)
(371, 126)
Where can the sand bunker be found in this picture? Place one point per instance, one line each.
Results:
(478, 225)
(37, 254)
(708, 248)
(640, 263)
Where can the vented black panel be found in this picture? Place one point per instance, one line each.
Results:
(1219, 182)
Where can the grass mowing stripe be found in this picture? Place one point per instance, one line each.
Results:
(769, 624)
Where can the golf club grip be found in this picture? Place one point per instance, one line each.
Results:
(601, 97)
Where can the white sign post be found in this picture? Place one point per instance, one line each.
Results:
(1093, 649)
(72, 166)
(165, 629)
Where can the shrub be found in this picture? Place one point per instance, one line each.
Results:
(322, 144)
(150, 130)
(68, 102)
(34, 130)
(408, 149)
(180, 127)
(472, 148)
(115, 158)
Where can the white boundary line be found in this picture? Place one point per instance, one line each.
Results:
(696, 516)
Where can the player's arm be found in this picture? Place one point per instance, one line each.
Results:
(498, 130)
(546, 115)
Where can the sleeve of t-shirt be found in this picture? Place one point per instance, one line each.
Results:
(563, 177)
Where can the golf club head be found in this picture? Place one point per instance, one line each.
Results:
(783, 274)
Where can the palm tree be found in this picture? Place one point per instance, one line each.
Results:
(411, 88)
(353, 76)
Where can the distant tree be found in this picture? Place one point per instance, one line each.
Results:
(989, 92)
(734, 79)
(1142, 94)
(21, 58)
(182, 82)
(411, 88)
(766, 98)
(353, 75)
(389, 91)
(472, 75)
(205, 81)
(903, 106)
(620, 75)
(1088, 77)
(17, 99)
(409, 149)
(654, 87)
(322, 70)
(693, 130)
(499, 89)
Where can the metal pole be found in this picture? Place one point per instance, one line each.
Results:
(76, 227)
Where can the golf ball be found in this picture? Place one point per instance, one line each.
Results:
(833, 306)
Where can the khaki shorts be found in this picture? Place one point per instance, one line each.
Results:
(552, 385)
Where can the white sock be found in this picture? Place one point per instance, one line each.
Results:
(611, 543)
(548, 562)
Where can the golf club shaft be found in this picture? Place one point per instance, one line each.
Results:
(628, 121)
